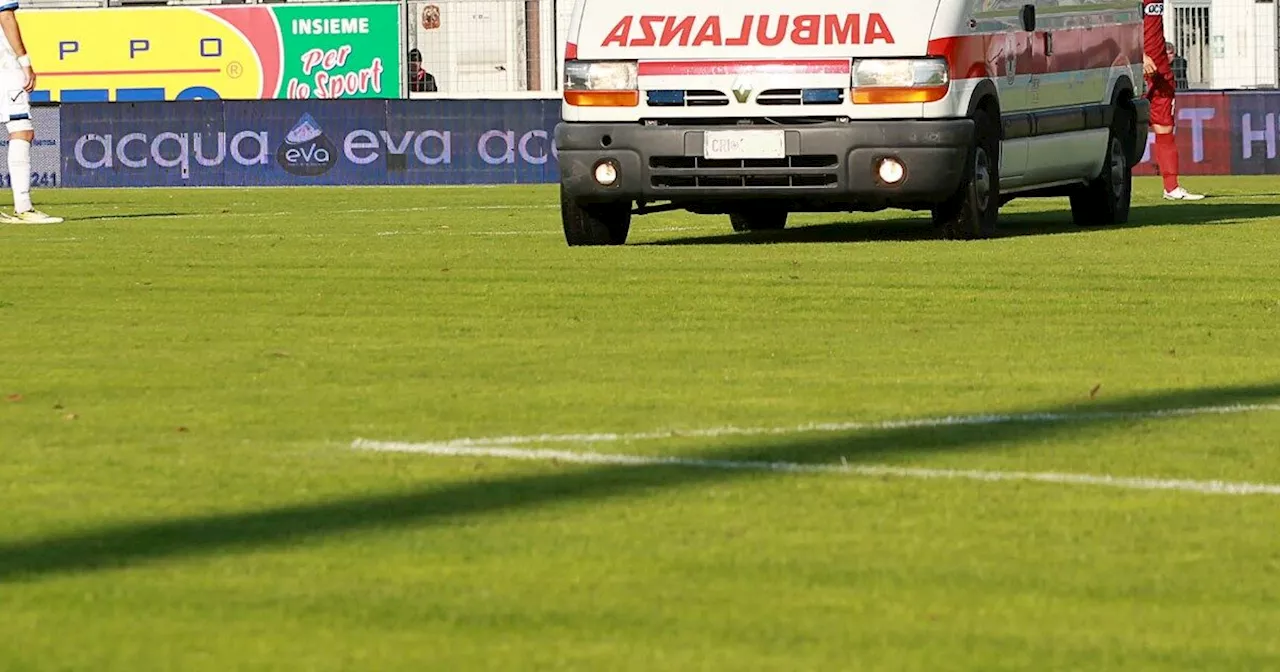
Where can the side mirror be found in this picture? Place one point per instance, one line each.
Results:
(1028, 16)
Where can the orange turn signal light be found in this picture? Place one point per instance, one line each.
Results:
(895, 94)
(602, 98)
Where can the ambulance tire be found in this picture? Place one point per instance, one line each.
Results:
(596, 223)
(972, 212)
(767, 219)
(1105, 200)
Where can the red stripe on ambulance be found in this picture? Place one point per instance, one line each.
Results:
(763, 30)
(789, 67)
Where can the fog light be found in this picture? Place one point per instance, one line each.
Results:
(891, 171)
(606, 173)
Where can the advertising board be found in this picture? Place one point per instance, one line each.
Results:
(342, 50)
(234, 143)
(46, 151)
(454, 142)
(1255, 132)
(1203, 134)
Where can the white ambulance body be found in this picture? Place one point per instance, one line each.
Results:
(760, 108)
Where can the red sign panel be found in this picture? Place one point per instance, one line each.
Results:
(1203, 134)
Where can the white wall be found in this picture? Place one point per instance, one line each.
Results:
(1248, 55)
(564, 12)
(1243, 44)
(480, 44)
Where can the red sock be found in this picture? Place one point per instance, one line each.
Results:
(1167, 160)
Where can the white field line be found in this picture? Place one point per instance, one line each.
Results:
(506, 448)
(379, 234)
(351, 211)
(881, 471)
(835, 427)
(344, 211)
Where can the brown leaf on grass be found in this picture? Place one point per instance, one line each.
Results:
(183, 430)
(1093, 394)
(13, 398)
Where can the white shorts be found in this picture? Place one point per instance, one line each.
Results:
(15, 105)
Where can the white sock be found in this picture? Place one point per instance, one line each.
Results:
(20, 174)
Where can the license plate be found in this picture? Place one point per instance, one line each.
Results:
(745, 145)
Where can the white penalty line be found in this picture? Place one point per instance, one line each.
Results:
(835, 427)
(881, 471)
(506, 448)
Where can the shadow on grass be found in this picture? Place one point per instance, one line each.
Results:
(139, 543)
(1013, 224)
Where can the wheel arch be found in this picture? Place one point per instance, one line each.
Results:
(1124, 99)
(984, 96)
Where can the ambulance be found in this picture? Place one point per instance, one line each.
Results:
(757, 109)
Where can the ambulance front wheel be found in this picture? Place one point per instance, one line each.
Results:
(594, 223)
(972, 211)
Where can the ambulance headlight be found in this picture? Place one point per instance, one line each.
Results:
(885, 72)
(601, 83)
(900, 80)
(600, 76)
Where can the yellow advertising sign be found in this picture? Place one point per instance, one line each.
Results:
(141, 54)
(340, 50)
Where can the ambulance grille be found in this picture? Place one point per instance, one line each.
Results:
(691, 172)
(801, 97)
(686, 98)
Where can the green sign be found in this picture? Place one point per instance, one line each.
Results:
(341, 51)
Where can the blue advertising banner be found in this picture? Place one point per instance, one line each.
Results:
(1254, 132)
(281, 143)
(454, 142)
(46, 153)
(143, 144)
(474, 142)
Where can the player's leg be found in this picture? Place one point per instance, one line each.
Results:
(17, 110)
(20, 140)
(1166, 149)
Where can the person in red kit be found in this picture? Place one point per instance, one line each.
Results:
(1161, 87)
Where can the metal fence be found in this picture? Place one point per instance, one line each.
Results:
(514, 48)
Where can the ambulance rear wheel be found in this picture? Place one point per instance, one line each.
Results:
(595, 223)
(1105, 200)
(765, 219)
(972, 211)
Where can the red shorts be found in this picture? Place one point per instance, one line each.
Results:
(1160, 91)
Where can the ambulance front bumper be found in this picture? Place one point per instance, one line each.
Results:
(827, 165)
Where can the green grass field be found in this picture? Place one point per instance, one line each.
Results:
(183, 375)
